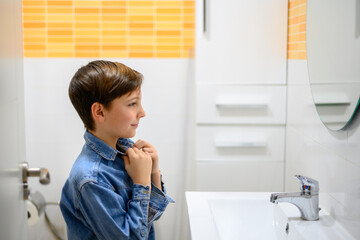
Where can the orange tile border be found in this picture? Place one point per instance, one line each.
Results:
(168, 54)
(35, 54)
(294, 3)
(59, 3)
(27, 3)
(114, 47)
(59, 10)
(114, 3)
(60, 54)
(60, 39)
(141, 55)
(87, 54)
(40, 10)
(297, 55)
(141, 3)
(297, 29)
(34, 47)
(114, 54)
(107, 28)
(114, 11)
(141, 48)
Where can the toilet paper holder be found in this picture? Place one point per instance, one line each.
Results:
(35, 207)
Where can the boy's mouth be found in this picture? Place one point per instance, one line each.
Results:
(135, 125)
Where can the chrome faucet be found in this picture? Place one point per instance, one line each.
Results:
(307, 200)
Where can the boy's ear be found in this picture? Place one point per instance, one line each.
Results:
(97, 112)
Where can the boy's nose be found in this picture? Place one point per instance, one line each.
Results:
(141, 113)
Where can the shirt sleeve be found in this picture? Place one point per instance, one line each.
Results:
(158, 202)
(110, 217)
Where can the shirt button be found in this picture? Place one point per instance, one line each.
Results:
(142, 233)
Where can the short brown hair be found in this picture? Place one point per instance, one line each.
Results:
(101, 81)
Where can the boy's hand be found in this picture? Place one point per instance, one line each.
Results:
(148, 148)
(138, 165)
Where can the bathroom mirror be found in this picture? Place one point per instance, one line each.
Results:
(333, 58)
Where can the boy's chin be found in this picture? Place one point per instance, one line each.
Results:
(129, 135)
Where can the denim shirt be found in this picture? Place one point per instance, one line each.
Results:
(100, 201)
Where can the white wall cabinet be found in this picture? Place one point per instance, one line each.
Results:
(243, 42)
(241, 49)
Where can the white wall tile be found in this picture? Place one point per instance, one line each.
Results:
(47, 100)
(302, 115)
(327, 156)
(55, 129)
(354, 140)
(338, 178)
(297, 73)
(51, 72)
(347, 218)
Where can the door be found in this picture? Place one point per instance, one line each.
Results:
(241, 41)
(13, 219)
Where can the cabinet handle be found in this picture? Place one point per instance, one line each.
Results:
(204, 17)
(331, 100)
(357, 21)
(239, 144)
(241, 105)
(331, 104)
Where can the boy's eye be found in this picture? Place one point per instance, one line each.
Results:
(132, 104)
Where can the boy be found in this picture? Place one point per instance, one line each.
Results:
(114, 190)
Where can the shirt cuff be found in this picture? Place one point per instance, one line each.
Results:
(140, 192)
(159, 199)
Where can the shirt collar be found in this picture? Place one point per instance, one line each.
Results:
(104, 150)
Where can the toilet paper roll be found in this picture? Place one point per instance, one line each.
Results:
(32, 213)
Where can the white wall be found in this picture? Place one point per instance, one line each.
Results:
(332, 158)
(54, 132)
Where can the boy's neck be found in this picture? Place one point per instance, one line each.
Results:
(107, 139)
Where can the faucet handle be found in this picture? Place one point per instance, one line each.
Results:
(308, 185)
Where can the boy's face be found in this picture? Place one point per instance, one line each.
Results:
(123, 115)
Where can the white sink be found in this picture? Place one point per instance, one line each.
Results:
(253, 218)
(251, 215)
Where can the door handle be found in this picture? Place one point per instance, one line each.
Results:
(42, 173)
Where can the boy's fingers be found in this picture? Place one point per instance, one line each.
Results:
(126, 161)
(135, 150)
(130, 152)
(148, 155)
(148, 149)
(138, 144)
(141, 143)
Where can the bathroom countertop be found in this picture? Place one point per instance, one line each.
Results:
(203, 226)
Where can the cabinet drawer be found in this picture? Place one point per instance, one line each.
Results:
(239, 143)
(239, 176)
(240, 104)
